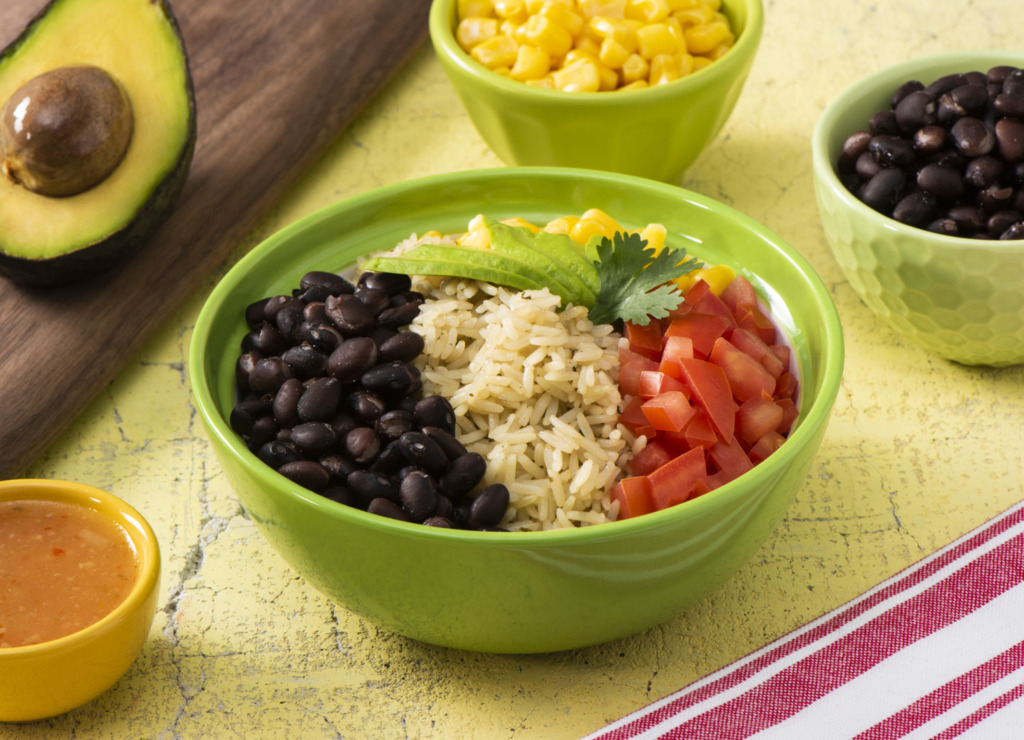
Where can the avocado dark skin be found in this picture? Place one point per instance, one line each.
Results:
(139, 191)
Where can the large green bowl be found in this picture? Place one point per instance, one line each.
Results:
(961, 299)
(519, 592)
(655, 132)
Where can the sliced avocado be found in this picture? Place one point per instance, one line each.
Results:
(463, 262)
(69, 211)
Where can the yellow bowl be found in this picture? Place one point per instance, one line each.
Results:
(50, 678)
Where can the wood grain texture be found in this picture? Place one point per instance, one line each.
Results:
(275, 83)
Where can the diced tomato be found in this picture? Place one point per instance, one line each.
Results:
(739, 295)
(702, 329)
(695, 292)
(754, 346)
(669, 411)
(785, 387)
(784, 353)
(655, 382)
(747, 377)
(630, 366)
(754, 320)
(645, 340)
(711, 304)
(650, 458)
(673, 482)
(789, 414)
(699, 432)
(709, 387)
(673, 348)
(730, 459)
(634, 496)
(756, 417)
(699, 489)
(633, 418)
(765, 446)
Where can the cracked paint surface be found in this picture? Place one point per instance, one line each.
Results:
(918, 451)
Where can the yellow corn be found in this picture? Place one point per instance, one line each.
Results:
(579, 76)
(612, 54)
(531, 63)
(605, 8)
(544, 33)
(657, 38)
(596, 214)
(684, 62)
(702, 39)
(545, 82)
(500, 51)
(717, 277)
(475, 30)
(674, 5)
(609, 28)
(564, 16)
(700, 15)
(519, 221)
(648, 11)
(475, 8)
(534, 6)
(561, 225)
(512, 10)
(654, 235)
(715, 5)
(634, 85)
(716, 53)
(700, 63)
(635, 69)
(663, 69)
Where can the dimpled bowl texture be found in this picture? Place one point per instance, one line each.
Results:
(518, 592)
(961, 299)
(656, 132)
(50, 678)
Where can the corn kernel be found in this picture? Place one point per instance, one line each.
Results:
(544, 33)
(674, 5)
(657, 38)
(561, 225)
(684, 62)
(608, 28)
(579, 76)
(596, 214)
(475, 30)
(605, 8)
(563, 16)
(512, 10)
(654, 235)
(589, 45)
(648, 11)
(717, 277)
(634, 85)
(500, 51)
(531, 63)
(475, 9)
(635, 68)
(533, 6)
(717, 53)
(700, 63)
(715, 5)
(520, 222)
(663, 69)
(613, 54)
(586, 228)
(477, 236)
(508, 28)
(697, 16)
(702, 39)
(544, 82)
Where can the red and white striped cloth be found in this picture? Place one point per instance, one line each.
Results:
(936, 651)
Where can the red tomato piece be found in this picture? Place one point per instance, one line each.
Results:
(765, 446)
(630, 366)
(754, 346)
(634, 496)
(757, 417)
(702, 329)
(709, 386)
(673, 482)
(673, 349)
(699, 432)
(739, 295)
(789, 414)
(784, 353)
(645, 340)
(655, 382)
(748, 378)
(632, 417)
(785, 387)
(669, 411)
(711, 304)
(754, 320)
(730, 459)
(696, 291)
(650, 458)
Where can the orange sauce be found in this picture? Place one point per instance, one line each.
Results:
(62, 568)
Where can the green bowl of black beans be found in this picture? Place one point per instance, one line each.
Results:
(919, 178)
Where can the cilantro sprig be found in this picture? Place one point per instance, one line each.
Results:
(635, 282)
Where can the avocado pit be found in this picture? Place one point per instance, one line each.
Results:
(65, 131)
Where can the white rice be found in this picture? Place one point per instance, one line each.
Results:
(535, 392)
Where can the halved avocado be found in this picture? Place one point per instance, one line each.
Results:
(49, 239)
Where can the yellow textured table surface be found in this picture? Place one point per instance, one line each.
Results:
(918, 452)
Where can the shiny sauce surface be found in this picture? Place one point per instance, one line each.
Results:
(62, 568)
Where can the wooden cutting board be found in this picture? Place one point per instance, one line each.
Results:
(275, 83)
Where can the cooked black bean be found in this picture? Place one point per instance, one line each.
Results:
(384, 507)
(362, 444)
(942, 181)
(288, 319)
(338, 465)
(264, 430)
(349, 314)
(390, 460)
(367, 405)
(315, 312)
(286, 402)
(313, 294)
(423, 452)
(1011, 106)
(914, 111)
(945, 84)
(352, 358)
(903, 90)
(307, 474)
(452, 447)
(393, 424)
(983, 171)
(404, 346)
(392, 377)
(335, 283)
(435, 411)
(883, 122)
(1013, 83)
(254, 313)
(439, 521)
(265, 339)
(418, 494)
(916, 209)
(929, 139)
(890, 150)
(373, 298)
(342, 495)
(389, 282)
(884, 190)
(245, 413)
(322, 337)
(1000, 221)
(244, 365)
(1010, 139)
(462, 475)
(407, 296)
(276, 453)
(969, 219)
(273, 305)
(972, 137)
(944, 226)
(995, 198)
(489, 506)
(398, 316)
(320, 400)
(304, 361)
(268, 374)
(314, 438)
(369, 485)
(1014, 232)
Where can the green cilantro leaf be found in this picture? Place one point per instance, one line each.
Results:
(635, 282)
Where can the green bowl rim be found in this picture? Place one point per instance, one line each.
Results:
(811, 419)
(890, 78)
(448, 49)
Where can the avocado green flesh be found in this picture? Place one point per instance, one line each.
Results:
(138, 43)
(473, 264)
